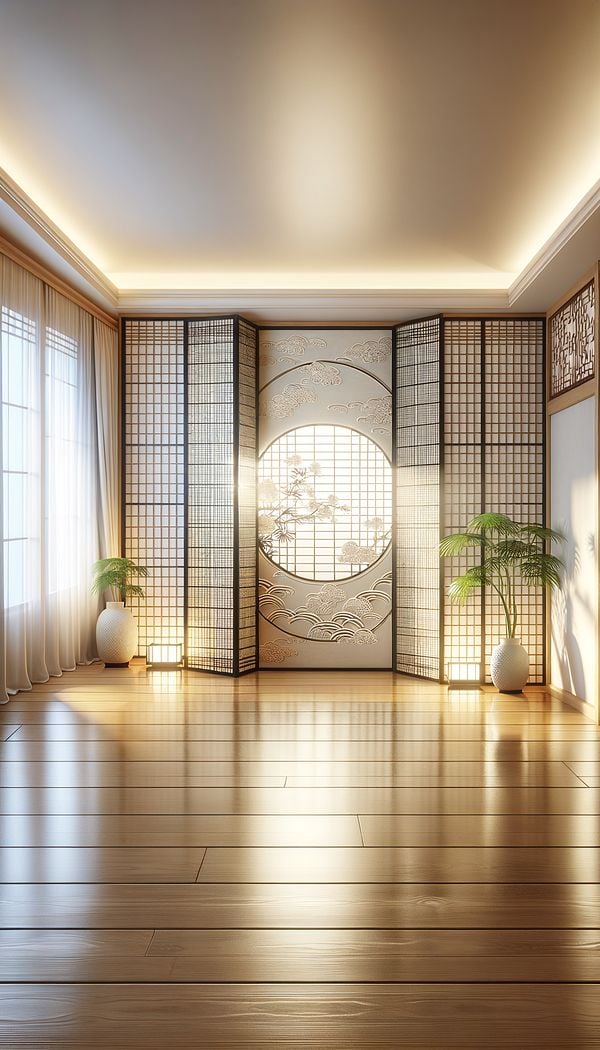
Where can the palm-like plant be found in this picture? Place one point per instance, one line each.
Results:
(117, 574)
(511, 553)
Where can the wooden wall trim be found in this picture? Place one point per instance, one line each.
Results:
(558, 404)
(596, 381)
(48, 277)
(587, 710)
(572, 397)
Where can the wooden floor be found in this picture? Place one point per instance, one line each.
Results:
(296, 860)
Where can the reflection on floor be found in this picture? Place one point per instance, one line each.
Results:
(296, 859)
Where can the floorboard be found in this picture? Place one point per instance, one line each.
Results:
(316, 800)
(272, 905)
(328, 1016)
(326, 860)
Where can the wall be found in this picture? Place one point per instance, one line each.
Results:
(573, 504)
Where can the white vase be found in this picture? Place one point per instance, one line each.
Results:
(509, 666)
(116, 635)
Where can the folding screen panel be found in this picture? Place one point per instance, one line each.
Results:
(153, 463)
(417, 497)
(247, 496)
(488, 375)
(325, 518)
(221, 504)
(325, 498)
(463, 437)
(514, 461)
(493, 461)
(189, 429)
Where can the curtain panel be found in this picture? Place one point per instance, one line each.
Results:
(59, 493)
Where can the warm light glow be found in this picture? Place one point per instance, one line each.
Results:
(554, 215)
(312, 197)
(464, 672)
(159, 655)
(293, 281)
(30, 184)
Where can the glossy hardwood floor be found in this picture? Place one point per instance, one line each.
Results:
(296, 860)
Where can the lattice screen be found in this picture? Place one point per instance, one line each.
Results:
(494, 461)
(417, 498)
(463, 488)
(514, 460)
(189, 430)
(189, 391)
(221, 506)
(154, 484)
(247, 478)
(492, 451)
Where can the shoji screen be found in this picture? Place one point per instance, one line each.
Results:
(514, 460)
(488, 375)
(221, 501)
(493, 461)
(463, 488)
(247, 487)
(154, 484)
(417, 497)
(189, 444)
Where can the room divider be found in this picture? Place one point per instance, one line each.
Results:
(467, 433)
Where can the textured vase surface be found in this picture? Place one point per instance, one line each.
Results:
(116, 634)
(509, 666)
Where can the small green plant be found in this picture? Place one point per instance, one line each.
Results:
(510, 554)
(116, 574)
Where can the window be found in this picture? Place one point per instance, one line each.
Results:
(33, 468)
(21, 457)
(62, 458)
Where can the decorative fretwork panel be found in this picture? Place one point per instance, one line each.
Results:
(417, 454)
(572, 342)
(325, 498)
(154, 489)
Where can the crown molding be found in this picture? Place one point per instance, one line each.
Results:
(576, 219)
(266, 304)
(40, 224)
(281, 304)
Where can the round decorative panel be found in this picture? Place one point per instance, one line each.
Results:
(325, 502)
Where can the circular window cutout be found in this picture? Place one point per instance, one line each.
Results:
(324, 502)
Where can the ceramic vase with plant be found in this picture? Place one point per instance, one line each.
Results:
(512, 556)
(116, 629)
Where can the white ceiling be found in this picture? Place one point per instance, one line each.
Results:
(379, 145)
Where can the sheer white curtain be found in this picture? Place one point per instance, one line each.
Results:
(59, 503)
(106, 368)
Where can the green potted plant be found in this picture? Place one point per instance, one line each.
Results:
(116, 629)
(511, 555)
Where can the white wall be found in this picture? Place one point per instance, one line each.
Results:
(573, 489)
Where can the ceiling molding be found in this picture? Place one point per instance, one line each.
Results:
(265, 304)
(38, 221)
(555, 244)
(295, 304)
